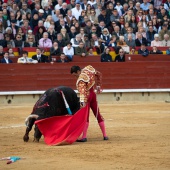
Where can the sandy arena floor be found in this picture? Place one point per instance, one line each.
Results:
(139, 140)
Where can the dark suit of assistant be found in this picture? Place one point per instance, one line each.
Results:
(4, 61)
(138, 43)
(42, 59)
(119, 58)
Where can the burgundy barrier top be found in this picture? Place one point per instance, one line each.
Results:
(125, 75)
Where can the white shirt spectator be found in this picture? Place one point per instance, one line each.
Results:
(76, 12)
(67, 51)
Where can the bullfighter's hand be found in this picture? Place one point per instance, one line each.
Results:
(82, 104)
(98, 90)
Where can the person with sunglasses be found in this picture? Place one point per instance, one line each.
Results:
(121, 56)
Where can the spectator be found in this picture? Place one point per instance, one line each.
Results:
(163, 32)
(55, 50)
(8, 42)
(69, 51)
(104, 17)
(63, 58)
(129, 31)
(75, 41)
(145, 5)
(115, 16)
(24, 59)
(61, 25)
(76, 11)
(140, 40)
(40, 25)
(112, 42)
(48, 22)
(39, 34)
(166, 41)
(81, 50)
(130, 42)
(155, 50)
(64, 10)
(59, 5)
(105, 36)
(51, 33)
(88, 10)
(143, 50)
(68, 18)
(128, 17)
(150, 35)
(72, 33)
(71, 5)
(106, 57)
(132, 51)
(4, 22)
(55, 15)
(18, 41)
(168, 51)
(93, 18)
(45, 41)
(6, 59)
(156, 41)
(121, 42)
(84, 5)
(65, 35)
(60, 41)
(117, 32)
(34, 22)
(40, 57)
(121, 56)
(25, 9)
(90, 51)
(10, 52)
(1, 51)
(86, 41)
(30, 42)
(25, 26)
(97, 44)
(47, 10)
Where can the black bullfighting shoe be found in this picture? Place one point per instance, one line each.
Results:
(105, 138)
(82, 140)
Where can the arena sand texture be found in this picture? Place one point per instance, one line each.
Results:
(139, 139)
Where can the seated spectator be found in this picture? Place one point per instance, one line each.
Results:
(45, 41)
(97, 43)
(143, 50)
(6, 59)
(156, 41)
(30, 33)
(105, 36)
(150, 35)
(30, 42)
(39, 34)
(155, 50)
(121, 42)
(65, 35)
(1, 51)
(60, 41)
(166, 41)
(164, 31)
(75, 41)
(18, 41)
(72, 33)
(168, 51)
(130, 42)
(132, 51)
(10, 52)
(121, 56)
(40, 57)
(81, 50)
(40, 24)
(129, 31)
(112, 42)
(63, 58)
(24, 59)
(117, 32)
(86, 41)
(106, 57)
(55, 50)
(140, 40)
(51, 33)
(90, 51)
(69, 51)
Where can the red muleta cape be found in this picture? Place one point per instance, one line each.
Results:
(60, 130)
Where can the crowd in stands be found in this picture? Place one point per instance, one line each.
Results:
(78, 27)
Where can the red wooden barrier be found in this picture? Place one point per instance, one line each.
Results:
(150, 57)
(126, 75)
